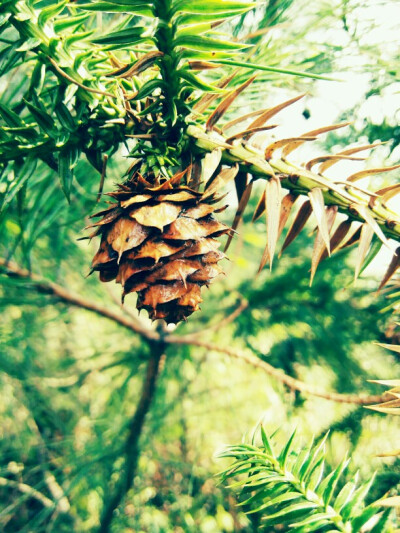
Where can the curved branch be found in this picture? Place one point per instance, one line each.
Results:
(190, 340)
(48, 287)
(289, 381)
(29, 491)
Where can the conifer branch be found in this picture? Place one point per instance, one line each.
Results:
(293, 490)
(48, 287)
(301, 181)
(68, 297)
(276, 373)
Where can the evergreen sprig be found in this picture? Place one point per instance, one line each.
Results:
(144, 84)
(294, 490)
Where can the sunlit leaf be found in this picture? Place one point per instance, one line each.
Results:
(197, 82)
(327, 164)
(113, 6)
(199, 42)
(368, 172)
(210, 6)
(223, 106)
(273, 208)
(220, 181)
(332, 159)
(313, 133)
(122, 38)
(319, 243)
(298, 223)
(268, 153)
(147, 61)
(245, 134)
(318, 207)
(365, 241)
(148, 88)
(366, 214)
(244, 199)
(271, 112)
(254, 66)
(210, 163)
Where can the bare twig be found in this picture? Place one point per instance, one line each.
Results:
(29, 491)
(132, 451)
(295, 384)
(48, 287)
(289, 381)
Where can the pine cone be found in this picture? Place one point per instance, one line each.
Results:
(159, 240)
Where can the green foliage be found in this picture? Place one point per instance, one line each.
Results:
(293, 490)
(78, 376)
(81, 81)
(68, 92)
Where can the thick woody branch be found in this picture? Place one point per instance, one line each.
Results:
(190, 340)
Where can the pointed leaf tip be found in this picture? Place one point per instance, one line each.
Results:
(393, 266)
(365, 241)
(366, 214)
(318, 205)
(319, 243)
(313, 133)
(298, 224)
(221, 109)
(269, 113)
(273, 206)
(370, 171)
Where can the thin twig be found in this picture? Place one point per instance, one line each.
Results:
(295, 384)
(289, 381)
(132, 450)
(48, 287)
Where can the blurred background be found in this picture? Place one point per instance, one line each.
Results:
(70, 379)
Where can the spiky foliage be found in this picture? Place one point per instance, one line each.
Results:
(324, 197)
(390, 405)
(293, 490)
(90, 92)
